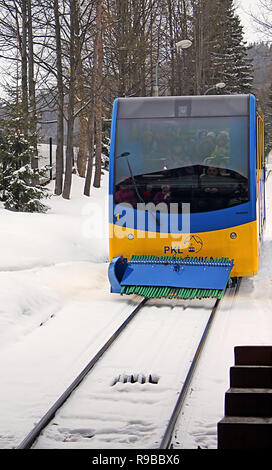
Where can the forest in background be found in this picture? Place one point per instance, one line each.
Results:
(65, 61)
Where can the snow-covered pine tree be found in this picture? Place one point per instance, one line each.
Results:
(230, 59)
(19, 189)
(265, 101)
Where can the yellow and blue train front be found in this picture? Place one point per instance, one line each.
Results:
(220, 231)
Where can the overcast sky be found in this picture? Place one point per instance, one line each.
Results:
(250, 29)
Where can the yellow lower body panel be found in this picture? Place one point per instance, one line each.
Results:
(241, 247)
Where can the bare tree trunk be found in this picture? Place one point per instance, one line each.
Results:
(59, 148)
(91, 127)
(24, 63)
(96, 104)
(89, 174)
(122, 46)
(83, 146)
(98, 140)
(60, 104)
(71, 101)
(197, 46)
(83, 121)
(170, 23)
(31, 85)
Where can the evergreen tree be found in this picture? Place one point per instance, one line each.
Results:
(264, 98)
(230, 58)
(18, 181)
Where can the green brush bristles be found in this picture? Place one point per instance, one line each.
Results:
(151, 292)
(177, 259)
(159, 292)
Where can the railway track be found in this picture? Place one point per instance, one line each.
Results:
(165, 443)
(35, 432)
(166, 440)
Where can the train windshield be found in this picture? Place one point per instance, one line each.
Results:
(201, 161)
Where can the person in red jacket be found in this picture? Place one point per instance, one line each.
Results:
(163, 196)
(126, 194)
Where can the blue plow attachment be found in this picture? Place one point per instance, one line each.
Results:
(170, 277)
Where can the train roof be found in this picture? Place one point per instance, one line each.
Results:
(184, 106)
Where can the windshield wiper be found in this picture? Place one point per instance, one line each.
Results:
(126, 154)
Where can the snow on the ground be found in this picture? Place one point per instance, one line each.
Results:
(247, 322)
(53, 270)
(56, 312)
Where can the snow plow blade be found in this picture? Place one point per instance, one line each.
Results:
(170, 277)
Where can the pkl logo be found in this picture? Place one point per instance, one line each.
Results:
(192, 244)
(173, 251)
(195, 244)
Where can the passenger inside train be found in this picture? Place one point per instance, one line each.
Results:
(181, 155)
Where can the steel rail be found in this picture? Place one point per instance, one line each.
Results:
(167, 437)
(35, 432)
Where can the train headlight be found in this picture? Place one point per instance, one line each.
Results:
(130, 236)
(233, 235)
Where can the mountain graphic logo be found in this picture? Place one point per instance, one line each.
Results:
(193, 243)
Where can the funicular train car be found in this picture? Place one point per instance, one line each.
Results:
(186, 186)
